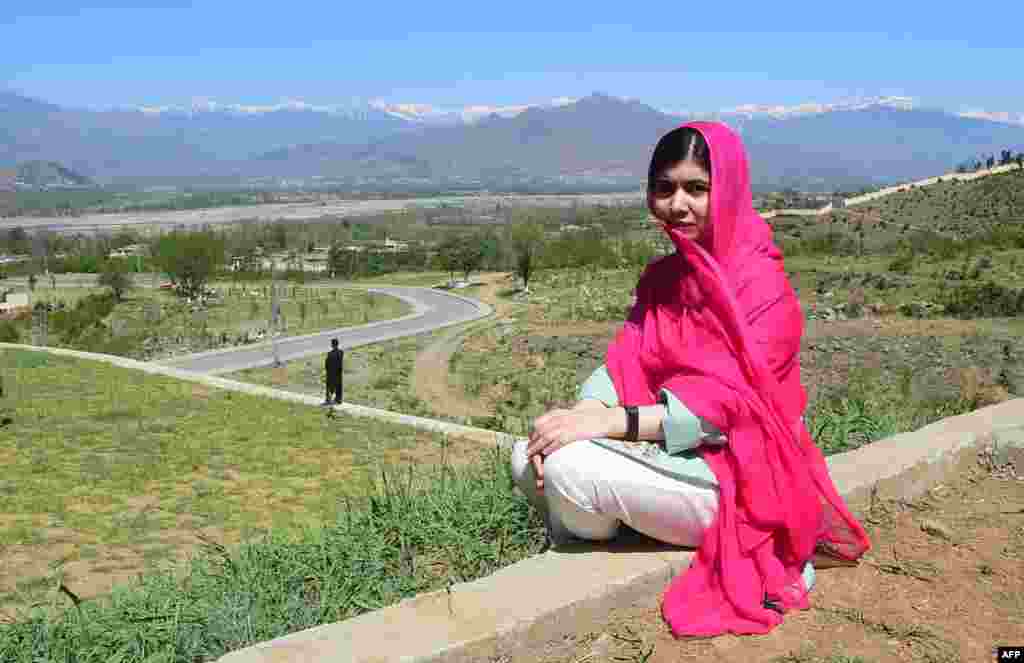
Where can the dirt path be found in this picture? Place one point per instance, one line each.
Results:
(944, 582)
(431, 380)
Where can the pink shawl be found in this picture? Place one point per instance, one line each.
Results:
(718, 324)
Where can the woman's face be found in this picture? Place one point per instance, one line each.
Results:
(680, 196)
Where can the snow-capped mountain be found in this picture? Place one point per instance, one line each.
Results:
(430, 115)
(423, 114)
(433, 115)
(813, 108)
(200, 107)
(995, 116)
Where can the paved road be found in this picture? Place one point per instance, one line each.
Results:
(432, 309)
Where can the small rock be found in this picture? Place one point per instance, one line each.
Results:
(935, 528)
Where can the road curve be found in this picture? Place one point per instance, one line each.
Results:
(432, 309)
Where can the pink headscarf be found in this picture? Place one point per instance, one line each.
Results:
(718, 324)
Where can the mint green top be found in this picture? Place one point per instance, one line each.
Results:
(684, 432)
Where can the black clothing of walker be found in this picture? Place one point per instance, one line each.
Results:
(333, 366)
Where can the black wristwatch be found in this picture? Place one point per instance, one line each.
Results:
(632, 423)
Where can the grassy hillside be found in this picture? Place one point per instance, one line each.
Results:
(955, 207)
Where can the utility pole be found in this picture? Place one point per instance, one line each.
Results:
(275, 316)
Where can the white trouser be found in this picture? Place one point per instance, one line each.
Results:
(590, 490)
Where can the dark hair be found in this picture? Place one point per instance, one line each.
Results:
(679, 145)
(334, 342)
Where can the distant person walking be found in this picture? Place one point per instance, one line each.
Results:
(333, 367)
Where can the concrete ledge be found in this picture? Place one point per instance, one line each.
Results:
(525, 610)
(470, 432)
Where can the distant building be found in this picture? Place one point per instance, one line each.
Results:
(14, 302)
(838, 201)
(129, 251)
(386, 245)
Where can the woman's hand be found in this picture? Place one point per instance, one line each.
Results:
(589, 405)
(557, 428)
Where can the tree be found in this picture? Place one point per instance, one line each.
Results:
(335, 260)
(115, 276)
(17, 240)
(189, 258)
(447, 258)
(527, 242)
(470, 255)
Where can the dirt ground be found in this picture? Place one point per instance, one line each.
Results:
(431, 380)
(944, 582)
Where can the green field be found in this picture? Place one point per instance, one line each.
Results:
(113, 457)
(115, 480)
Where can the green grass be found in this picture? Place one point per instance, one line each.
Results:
(869, 408)
(329, 521)
(463, 525)
(582, 294)
(528, 392)
(926, 277)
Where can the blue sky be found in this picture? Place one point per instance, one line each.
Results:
(679, 56)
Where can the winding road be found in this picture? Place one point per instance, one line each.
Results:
(432, 309)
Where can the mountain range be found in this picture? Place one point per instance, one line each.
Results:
(49, 175)
(598, 138)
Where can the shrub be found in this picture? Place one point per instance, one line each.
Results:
(9, 332)
(987, 300)
(904, 264)
(72, 324)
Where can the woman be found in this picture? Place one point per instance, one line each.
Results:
(692, 432)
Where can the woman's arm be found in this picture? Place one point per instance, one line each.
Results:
(652, 418)
(597, 395)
